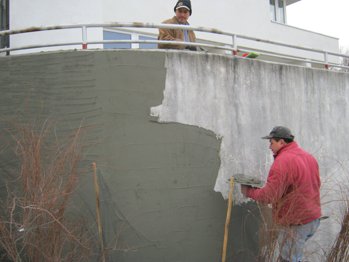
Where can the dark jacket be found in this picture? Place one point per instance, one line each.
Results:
(293, 187)
(174, 35)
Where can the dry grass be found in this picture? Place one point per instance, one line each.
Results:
(269, 246)
(340, 250)
(33, 222)
(267, 235)
(273, 237)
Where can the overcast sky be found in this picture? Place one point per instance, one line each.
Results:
(329, 17)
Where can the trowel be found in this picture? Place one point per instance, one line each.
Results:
(248, 181)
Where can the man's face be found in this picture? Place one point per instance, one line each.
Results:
(182, 15)
(275, 146)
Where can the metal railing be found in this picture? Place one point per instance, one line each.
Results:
(234, 47)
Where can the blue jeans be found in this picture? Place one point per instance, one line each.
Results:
(292, 240)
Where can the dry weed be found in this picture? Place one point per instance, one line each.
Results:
(33, 222)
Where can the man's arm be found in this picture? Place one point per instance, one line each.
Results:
(169, 35)
(272, 191)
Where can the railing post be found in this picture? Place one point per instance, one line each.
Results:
(134, 37)
(235, 45)
(326, 60)
(84, 37)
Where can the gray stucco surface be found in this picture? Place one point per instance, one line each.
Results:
(157, 179)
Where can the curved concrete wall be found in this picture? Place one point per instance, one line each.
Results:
(158, 178)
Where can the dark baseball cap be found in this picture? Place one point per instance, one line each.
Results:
(183, 4)
(280, 132)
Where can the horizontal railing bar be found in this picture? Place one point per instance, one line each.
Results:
(119, 42)
(217, 45)
(166, 26)
(169, 42)
(294, 58)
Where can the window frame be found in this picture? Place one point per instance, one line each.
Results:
(274, 10)
(4, 22)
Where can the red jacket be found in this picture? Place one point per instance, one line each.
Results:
(293, 187)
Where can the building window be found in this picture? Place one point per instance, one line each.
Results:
(278, 11)
(4, 22)
(147, 46)
(107, 35)
(110, 35)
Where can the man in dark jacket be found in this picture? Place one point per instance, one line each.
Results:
(293, 189)
(182, 12)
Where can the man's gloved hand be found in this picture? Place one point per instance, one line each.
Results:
(191, 48)
(244, 189)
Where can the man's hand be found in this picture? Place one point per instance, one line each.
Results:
(244, 189)
(191, 48)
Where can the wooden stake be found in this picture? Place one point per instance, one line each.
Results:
(227, 220)
(98, 210)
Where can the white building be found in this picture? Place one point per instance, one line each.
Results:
(260, 19)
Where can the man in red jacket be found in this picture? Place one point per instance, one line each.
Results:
(293, 189)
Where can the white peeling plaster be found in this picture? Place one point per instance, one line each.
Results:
(203, 91)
